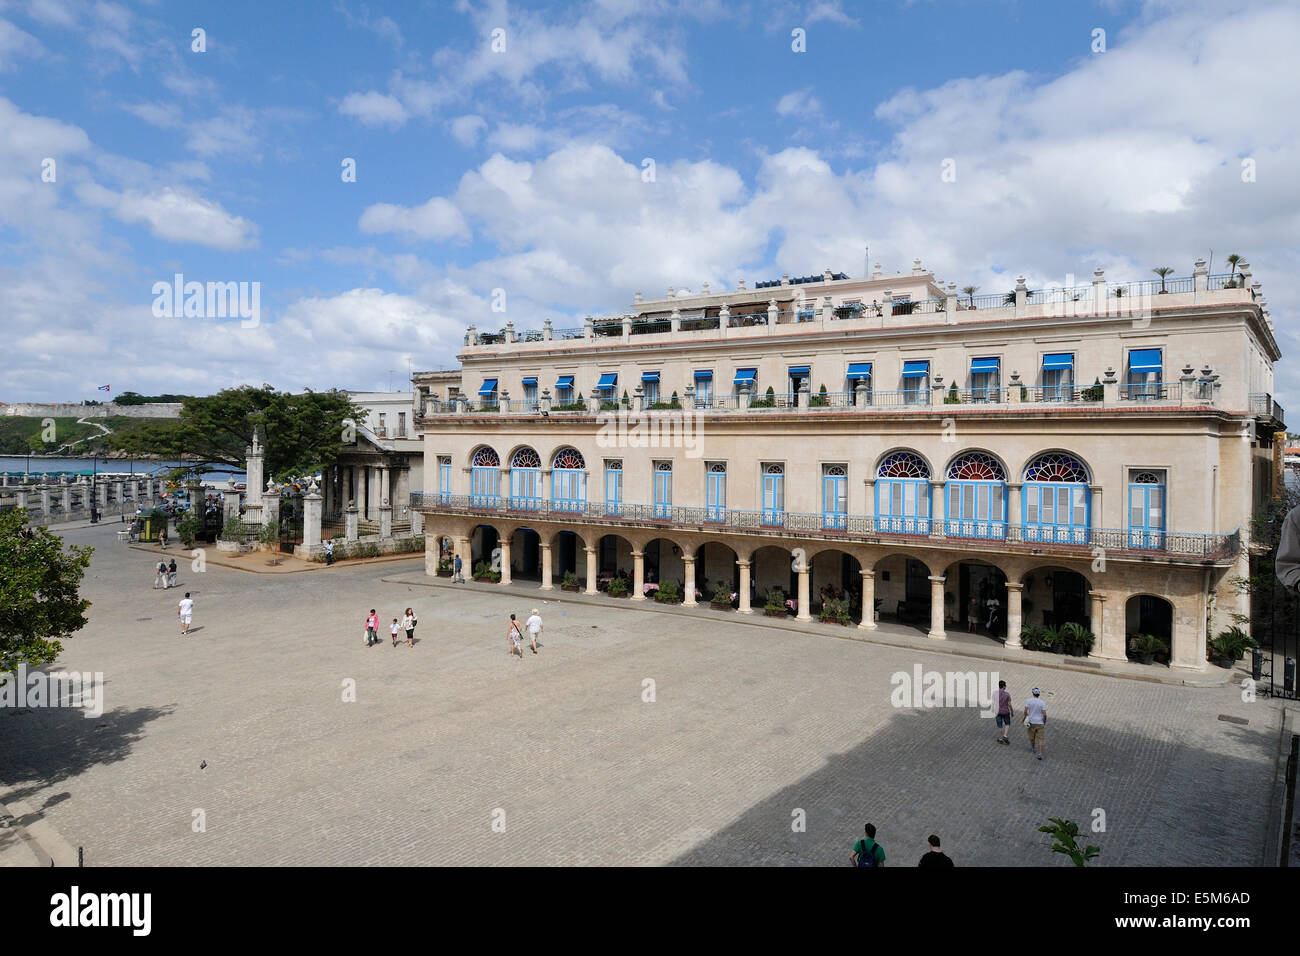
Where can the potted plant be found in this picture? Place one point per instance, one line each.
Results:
(1076, 640)
(774, 604)
(952, 398)
(767, 401)
(1094, 392)
(1146, 646)
(617, 588)
(570, 582)
(835, 610)
(483, 572)
(722, 596)
(444, 568)
(1229, 647)
(820, 400)
(1162, 272)
(669, 593)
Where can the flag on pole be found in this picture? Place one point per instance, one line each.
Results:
(104, 388)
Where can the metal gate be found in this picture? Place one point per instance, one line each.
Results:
(1275, 625)
(291, 512)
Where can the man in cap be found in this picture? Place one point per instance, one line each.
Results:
(1035, 718)
(534, 625)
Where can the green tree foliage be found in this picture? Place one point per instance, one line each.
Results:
(40, 603)
(1065, 834)
(301, 433)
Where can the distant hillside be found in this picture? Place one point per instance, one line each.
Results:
(21, 434)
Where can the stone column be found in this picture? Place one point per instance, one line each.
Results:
(117, 492)
(270, 504)
(101, 494)
(1013, 510)
(688, 565)
(385, 494)
(1109, 643)
(431, 554)
(744, 607)
(417, 522)
(638, 575)
(592, 571)
(229, 505)
(868, 601)
(385, 520)
(67, 500)
(22, 498)
(45, 503)
(311, 513)
(363, 496)
(1014, 613)
(936, 609)
(547, 583)
(803, 612)
(503, 542)
(350, 520)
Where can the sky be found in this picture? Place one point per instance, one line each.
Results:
(552, 159)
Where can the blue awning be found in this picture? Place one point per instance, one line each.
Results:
(649, 376)
(800, 369)
(1144, 360)
(745, 376)
(530, 380)
(859, 370)
(564, 381)
(608, 380)
(916, 369)
(706, 375)
(489, 386)
(1058, 360)
(980, 366)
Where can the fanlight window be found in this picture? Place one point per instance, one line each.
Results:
(569, 458)
(614, 464)
(663, 466)
(485, 458)
(773, 469)
(976, 466)
(903, 464)
(834, 471)
(1056, 466)
(1147, 478)
(718, 467)
(526, 458)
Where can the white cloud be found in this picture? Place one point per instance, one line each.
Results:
(180, 215)
(374, 109)
(799, 103)
(436, 219)
(515, 137)
(466, 130)
(16, 43)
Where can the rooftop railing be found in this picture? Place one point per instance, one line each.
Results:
(1140, 542)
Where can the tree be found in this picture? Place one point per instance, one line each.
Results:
(969, 291)
(1009, 298)
(40, 604)
(1234, 260)
(301, 433)
(1162, 271)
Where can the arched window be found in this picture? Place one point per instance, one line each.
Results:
(975, 497)
(1056, 503)
(613, 486)
(715, 491)
(484, 476)
(526, 480)
(903, 494)
(774, 493)
(1146, 509)
(568, 480)
(663, 475)
(835, 497)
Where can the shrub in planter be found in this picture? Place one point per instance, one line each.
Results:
(1230, 646)
(774, 605)
(234, 529)
(820, 400)
(1094, 392)
(952, 398)
(1076, 640)
(721, 595)
(836, 610)
(570, 582)
(188, 531)
(1146, 646)
(445, 568)
(668, 593)
(483, 572)
(617, 588)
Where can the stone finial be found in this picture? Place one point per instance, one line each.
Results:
(1098, 275)
(916, 267)
(1020, 284)
(1015, 379)
(672, 292)
(740, 284)
(270, 487)
(313, 488)
(636, 296)
(1198, 266)
(827, 275)
(876, 272)
(1109, 377)
(704, 288)
(951, 288)
(785, 278)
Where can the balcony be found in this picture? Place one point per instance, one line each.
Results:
(1219, 549)
(1267, 411)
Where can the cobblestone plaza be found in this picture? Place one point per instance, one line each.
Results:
(749, 725)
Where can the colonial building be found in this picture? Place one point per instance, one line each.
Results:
(1090, 453)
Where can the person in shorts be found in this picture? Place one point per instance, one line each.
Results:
(185, 611)
(1035, 719)
(515, 633)
(394, 630)
(534, 625)
(1004, 713)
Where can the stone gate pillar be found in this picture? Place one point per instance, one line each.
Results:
(311, 516)
(936, 609)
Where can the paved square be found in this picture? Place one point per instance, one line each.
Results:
(749, 725)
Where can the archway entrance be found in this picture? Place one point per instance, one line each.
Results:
(836, 575)
(1148, 614)
(903, 590)
(973, 584)
(483, 543)
(1054, 596)
(614, 559)
(525, 555)
(715, 566)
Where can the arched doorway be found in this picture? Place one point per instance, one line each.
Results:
(1150, 614)
(902, 587)
(969, 586)
(568, 555)
(1053, 596)
(716, 568)
(526, 555)
(835, 575)
(663, 562)
(772, 567)
(484, 547)
(613, 560)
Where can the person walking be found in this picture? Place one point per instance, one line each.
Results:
(408, 625)
(329, 552)
(934, 858)
(171, 573)
(972, 615)
(867, 852)
(1035, 718)
(372, 628)
(514, 634)
(457, 577)
(162, 534)
(1004, 713)
(185, 611)
(534, 624)
(394, 630)
(160, 574)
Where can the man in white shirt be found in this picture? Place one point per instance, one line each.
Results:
(1035, 719)
(185, 610)
(534, 625)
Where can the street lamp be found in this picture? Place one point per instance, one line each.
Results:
(94, 500)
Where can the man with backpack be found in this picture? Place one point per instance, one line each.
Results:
(867, 852)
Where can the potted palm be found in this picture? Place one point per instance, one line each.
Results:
(774, 604)
(969, 291)
(1229, 647)
(617, 587)
(1146, 646)
(1162, 272)
(722, 597)
(570, 582)
(835, 610)
(1076, 640)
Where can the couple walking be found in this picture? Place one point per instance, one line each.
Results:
(515, 633)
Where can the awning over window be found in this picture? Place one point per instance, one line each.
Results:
(706, 375)
(649, 376)
(1058, 360)
(564, 381)
(608, 380)
(1144, 360)
(745, 376)
(859, 370)
(982, 366)
(530, 380)
(489, 386)
(800, 370)
(916, 369)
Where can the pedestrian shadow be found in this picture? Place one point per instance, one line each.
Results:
(195, 630)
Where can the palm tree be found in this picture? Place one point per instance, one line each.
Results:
(1120, 292)
(1162, 271)
(969, 291)
(1009, 298)
(1233, 261)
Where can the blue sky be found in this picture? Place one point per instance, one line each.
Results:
(520, 169)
